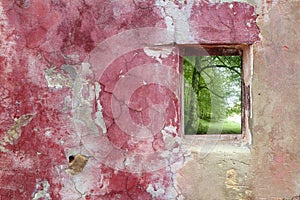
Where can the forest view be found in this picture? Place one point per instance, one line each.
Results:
(212, 94)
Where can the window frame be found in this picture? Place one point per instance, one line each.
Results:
(246, 86)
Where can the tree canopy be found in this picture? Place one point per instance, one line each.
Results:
(212, 90)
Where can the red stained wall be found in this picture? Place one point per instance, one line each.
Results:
(73, 81)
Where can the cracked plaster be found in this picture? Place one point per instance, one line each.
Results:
(53, 66)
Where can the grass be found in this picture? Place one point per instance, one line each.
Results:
(225, 127)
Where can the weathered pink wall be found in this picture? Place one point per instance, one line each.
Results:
(100, 81)
(276, 149)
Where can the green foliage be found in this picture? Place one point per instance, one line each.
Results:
(212, 91)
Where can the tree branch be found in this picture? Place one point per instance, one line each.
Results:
(221, 97)
(221, 66)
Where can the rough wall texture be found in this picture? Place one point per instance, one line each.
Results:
(275, 153)
(91, 97)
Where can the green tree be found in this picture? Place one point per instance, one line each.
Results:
(212, 90)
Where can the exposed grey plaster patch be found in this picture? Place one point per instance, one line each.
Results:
(176, 19)
(70, 70)
(158, 53)
(42, 190)
(174, 168)
(81, 194)
(84, 94)
(67, 103)
(170, 140)
(55, 79)
(155, 192)
(99, 116)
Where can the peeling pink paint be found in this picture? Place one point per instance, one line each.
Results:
(101, 78)
(224, 23)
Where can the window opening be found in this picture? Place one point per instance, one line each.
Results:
(213, 91)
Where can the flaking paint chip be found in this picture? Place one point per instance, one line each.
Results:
(77, 163)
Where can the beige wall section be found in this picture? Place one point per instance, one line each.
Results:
(270, 168)
(223, 173)
(276, 100)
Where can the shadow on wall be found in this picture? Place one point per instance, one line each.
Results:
(293, 198)
(296, 197)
